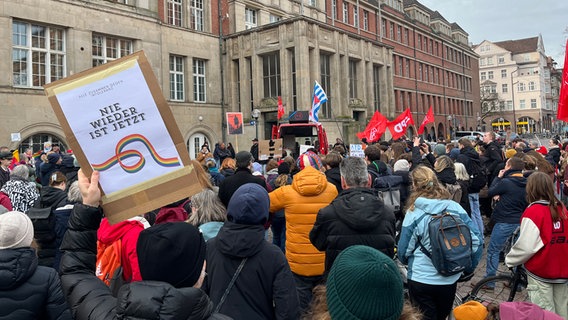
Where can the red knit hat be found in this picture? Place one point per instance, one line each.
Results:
(542, 150)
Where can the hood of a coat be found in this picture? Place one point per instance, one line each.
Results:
(517, 177)
(16, 266)
(447, 176)
(108, 233)
(469, 152)
(309, 182)
(433, 206)
(160, 300)
(240, 240)
(359, 208)
(50, 196)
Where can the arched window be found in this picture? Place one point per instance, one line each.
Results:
(35, 142)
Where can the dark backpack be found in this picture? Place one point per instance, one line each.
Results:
(477, 177)
(387, 188)
(450, 244)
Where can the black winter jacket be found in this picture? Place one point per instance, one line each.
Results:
(553, 156)
(265, 288)
(229, 185)
(90, 298)
(511, 190)
(53, 198)
(467, 156)
(356, 217)
(28, 291)
(334, 176)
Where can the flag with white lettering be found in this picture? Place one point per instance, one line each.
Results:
(429, 118)
(563, 99)
(280, 108)
(399, 125)
(375, 129)
(318, 98)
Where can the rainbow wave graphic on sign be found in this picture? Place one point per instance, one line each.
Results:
(121, 155)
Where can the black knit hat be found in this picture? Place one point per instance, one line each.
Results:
(172, 253)
(284, 168)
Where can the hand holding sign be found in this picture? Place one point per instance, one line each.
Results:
(89, 189)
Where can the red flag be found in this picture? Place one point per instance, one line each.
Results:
(375, 129)
(563, 99)
(429, 118)
(399, 125)
(280, 108)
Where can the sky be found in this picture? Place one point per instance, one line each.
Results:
(500, 20)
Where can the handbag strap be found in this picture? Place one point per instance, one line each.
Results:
(230, 286)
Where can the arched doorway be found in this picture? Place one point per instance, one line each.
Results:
(195, 142)
(526, 125)
(35, 142)
(500, 124)
(441, 131)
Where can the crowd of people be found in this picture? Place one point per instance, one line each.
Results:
(310, 237)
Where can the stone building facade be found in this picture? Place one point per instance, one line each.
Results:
(519, 85)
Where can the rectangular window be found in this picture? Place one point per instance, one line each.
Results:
(107, 48)
(356, 16)
(345, 12)
(420, 71)
(419, 46)
(489, 61)
(522, 104)
(383, 27)
(500, 59)
(250, 18)
(398, 33)
(271, 74)
(175, 12)
(365, 20)
(407, 68)
(509, 105)
(294, 81)
(177, 78)
(533, 103)
(38, 54)
(405, 36)
(352, 79)
(376, 88)
(490, 75)
(391, 30)
(483, 76)
(325, 69)
(503, 73)
(334, 9)
(273, 18)
(504, 88)
(199, 80)
(482, 61)
(196, 11)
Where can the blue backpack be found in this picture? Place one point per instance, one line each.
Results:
(450, 244)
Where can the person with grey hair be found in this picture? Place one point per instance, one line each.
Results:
(22, 193)
(356, 216)
(207, 213)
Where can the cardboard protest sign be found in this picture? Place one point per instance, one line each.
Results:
(268, 149)
(117, 122)
(235, 122)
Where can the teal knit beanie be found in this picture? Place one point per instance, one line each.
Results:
(364, 283)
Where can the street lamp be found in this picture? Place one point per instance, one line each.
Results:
(513, 98)
(255, 114)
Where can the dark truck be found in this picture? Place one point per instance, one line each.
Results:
(301, 132)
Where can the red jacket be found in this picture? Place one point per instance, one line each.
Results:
(542, 245)
(128, 231)
(5, 201)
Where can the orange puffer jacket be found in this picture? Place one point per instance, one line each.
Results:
(308, 193)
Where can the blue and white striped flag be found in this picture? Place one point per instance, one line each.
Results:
(319, 98)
